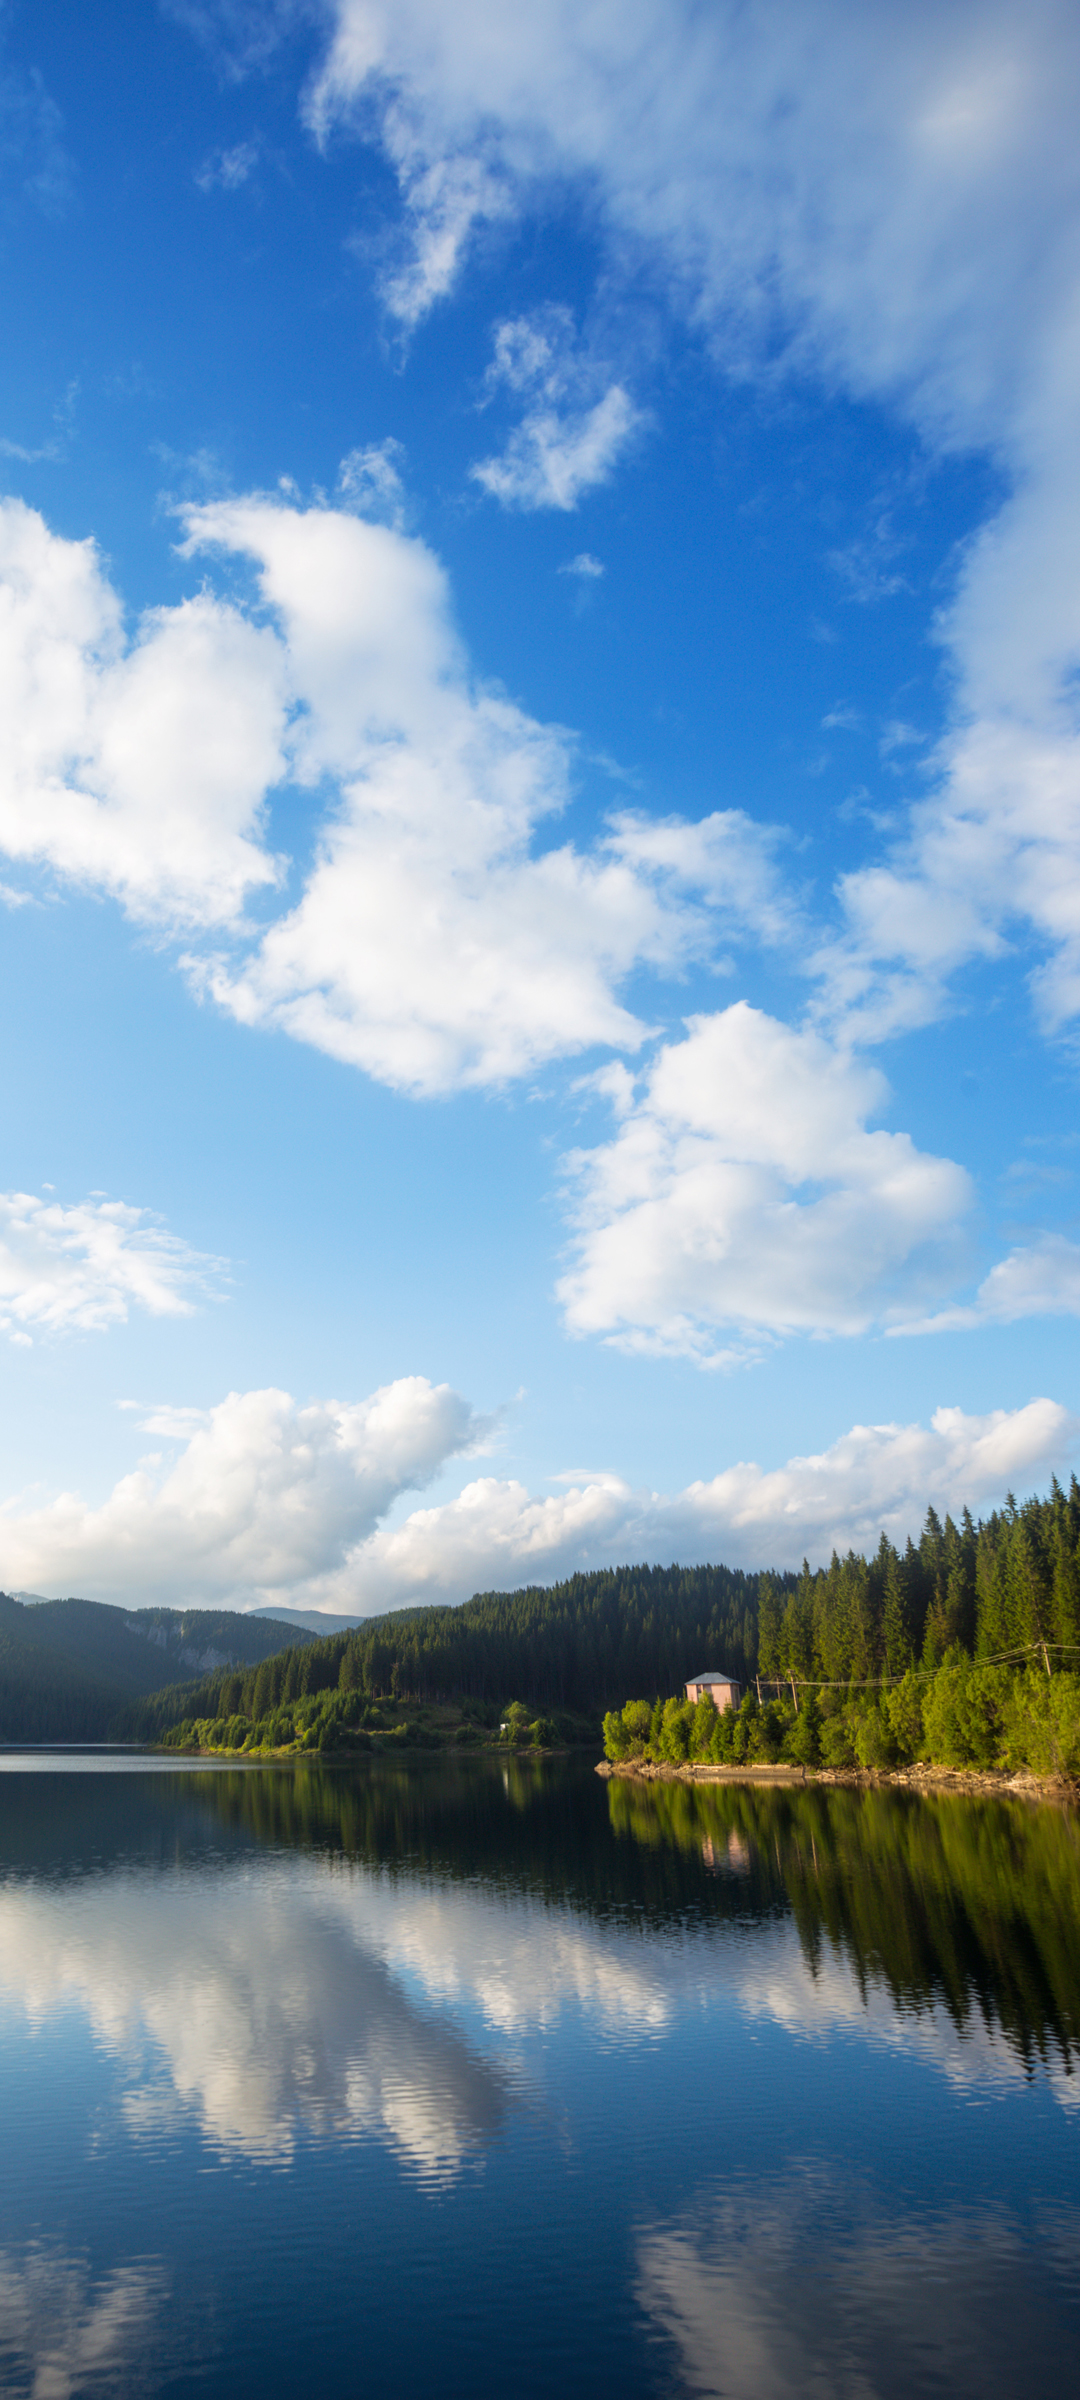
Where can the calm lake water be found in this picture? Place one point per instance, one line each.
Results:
(461, 2077)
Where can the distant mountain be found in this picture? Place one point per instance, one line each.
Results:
(67, 1667)
(316, 1620)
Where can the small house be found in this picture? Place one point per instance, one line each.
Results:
(722, 1690)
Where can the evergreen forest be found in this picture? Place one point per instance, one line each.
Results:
(961, 1648)
(964, 1647)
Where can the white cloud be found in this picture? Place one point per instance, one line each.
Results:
(496, 1534)
(893, 194)
(269, 1501)
(568, 440)
(137, 769)
(744, 1191)
(585, 565)
(446, 200)
(266, 1497)
(1038, 1279)
(433, 944)
(551, 459)
(83, 1268)
(370, 482)
(888, 201)
(226, 170)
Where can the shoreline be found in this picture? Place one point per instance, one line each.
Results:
(995, 1782)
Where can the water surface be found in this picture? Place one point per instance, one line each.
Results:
(447, 2076)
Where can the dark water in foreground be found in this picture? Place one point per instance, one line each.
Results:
(450, 2078)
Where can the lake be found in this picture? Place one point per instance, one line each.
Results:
(445, 2076)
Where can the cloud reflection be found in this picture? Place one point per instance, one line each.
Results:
(62, 2334)
(290, 2003)
(802, 2286)
(813, 2003)
(270, 2016)
(280, 2000)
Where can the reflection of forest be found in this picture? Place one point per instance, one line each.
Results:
(974, 1903)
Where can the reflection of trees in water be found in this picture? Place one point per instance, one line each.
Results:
(974, 1903)
(971, 1902)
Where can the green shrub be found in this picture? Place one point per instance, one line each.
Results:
(802, 1741)
(1041, 1723)
(767, 1732)
(616, 1737)
(637, 1719)
(872, 1733)
(903, 1707)
(962, 1713)
(837, 1745)
(722, 1737)
(675, 1729)
(702, 1725)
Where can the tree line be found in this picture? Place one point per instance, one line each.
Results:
(1006, 1589)
(1009, 1586)
(572, 1647)
(961, 1651)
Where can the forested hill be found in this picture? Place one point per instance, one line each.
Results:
(69, 1667)
(1010, 1585)
(571, 1646)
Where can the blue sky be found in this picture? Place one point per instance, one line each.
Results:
(538, 786)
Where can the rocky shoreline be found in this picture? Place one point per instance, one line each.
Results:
(926, 1779)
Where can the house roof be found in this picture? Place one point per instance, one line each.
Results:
(720, 1676)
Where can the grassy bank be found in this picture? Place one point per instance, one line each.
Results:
(343, 1725)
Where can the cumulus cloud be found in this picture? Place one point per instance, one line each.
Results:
(568, 440)
(1037, 1279)
(138, 767)
(884, 200)
(433, 944)
(744, 1191)
(269, 1501)
(496, 1534)
(266, 1498)
(83, 1268)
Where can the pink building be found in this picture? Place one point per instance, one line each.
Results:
(722, 1690)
